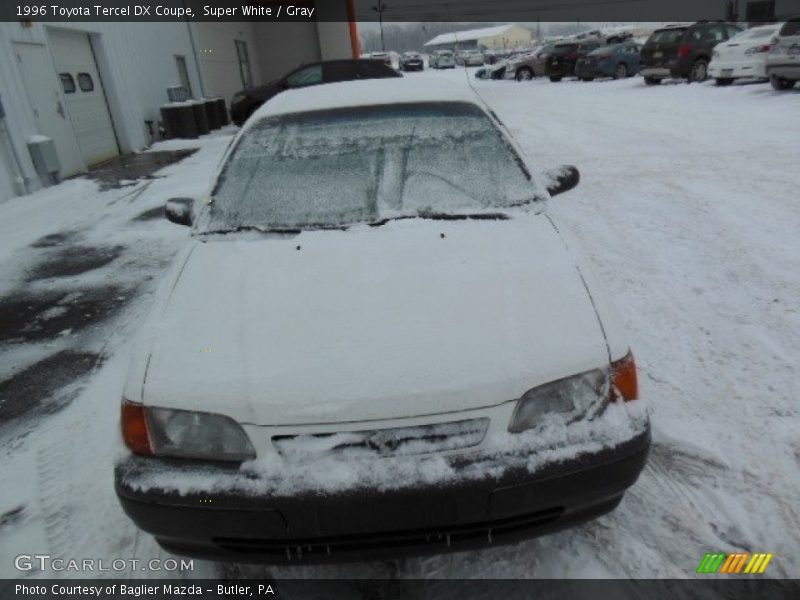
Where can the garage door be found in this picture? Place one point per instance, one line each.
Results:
(83, 92)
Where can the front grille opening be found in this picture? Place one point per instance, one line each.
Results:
(397, 441)
(296, 549)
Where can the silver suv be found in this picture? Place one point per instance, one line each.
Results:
(783, 62)
(442, 59)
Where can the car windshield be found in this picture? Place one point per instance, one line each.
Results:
(339, 167)
(667, 36)
(603, 50)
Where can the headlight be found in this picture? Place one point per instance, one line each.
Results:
(184, 434)
(567, 400)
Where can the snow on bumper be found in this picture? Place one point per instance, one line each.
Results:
(738, 69)
(516, 486)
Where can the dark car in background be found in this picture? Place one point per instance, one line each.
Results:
(411, 61)
(244, 103)
(618, 61)
(682, 51)
(561, 61)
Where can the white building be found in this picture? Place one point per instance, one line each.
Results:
(96, 89)
(499, 37)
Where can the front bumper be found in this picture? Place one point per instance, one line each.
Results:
(365, 523)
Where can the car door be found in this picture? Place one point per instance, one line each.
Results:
(631, 57)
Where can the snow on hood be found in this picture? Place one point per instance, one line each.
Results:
(372, 323)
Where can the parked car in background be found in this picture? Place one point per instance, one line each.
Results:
(523, 67)
(469, 58)
(618, 61)
(442, 59)
(561, 61)
(682, 51)
(744, 55)
(366, 394)
(244, 103)
(540, 59)
(384, 57)
(783, 61)
(495, 71)
(411, 61)
(520, 67)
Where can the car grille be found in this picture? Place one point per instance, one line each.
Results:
(398, 441)
(489, 531)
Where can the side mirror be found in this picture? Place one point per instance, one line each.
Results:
(179, 210)
(562, 179)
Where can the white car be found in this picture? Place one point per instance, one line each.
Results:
(783, 62)
(442, 59)
(744, 55)
(469, 58)
(377, 341)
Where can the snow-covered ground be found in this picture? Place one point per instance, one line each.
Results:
(687, 207)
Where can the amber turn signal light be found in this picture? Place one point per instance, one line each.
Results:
(134, 428)
(623, 378)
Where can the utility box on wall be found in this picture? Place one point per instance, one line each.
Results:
(45, 159)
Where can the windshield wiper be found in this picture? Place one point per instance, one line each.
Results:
(435, 216)
(241, 228)
(296, 230)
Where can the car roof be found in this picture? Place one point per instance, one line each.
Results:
(370, 92)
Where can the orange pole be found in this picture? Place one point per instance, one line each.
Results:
(355, 45)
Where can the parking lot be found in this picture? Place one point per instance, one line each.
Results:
(687, 208)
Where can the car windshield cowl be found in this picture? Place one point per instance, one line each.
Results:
(389, 218)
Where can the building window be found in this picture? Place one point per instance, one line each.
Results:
(761, 11)
(244, 63)
(183, 74)
(67, 83)
(85, 82)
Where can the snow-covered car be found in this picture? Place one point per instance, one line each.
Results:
(377, 340)
(783, 61)
(442, 59)
(469, 58)
(522, 66)
(744, 55)
(411, 61)
(493, 71)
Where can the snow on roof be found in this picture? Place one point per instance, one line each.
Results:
(364, 93)
(470, 34)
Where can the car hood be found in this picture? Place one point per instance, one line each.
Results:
(410, 318)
